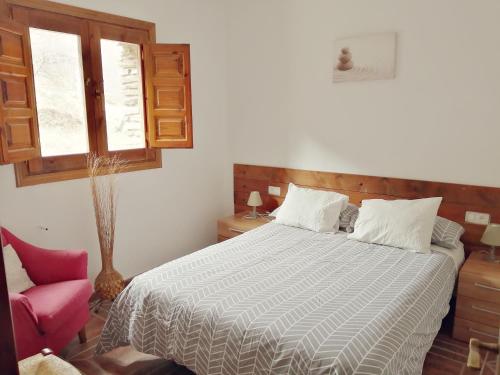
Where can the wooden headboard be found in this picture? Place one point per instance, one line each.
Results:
(456, 198)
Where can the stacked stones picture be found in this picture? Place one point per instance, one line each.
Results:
(365, 57)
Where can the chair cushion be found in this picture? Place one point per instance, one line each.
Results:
(54, 304)
(17, 278)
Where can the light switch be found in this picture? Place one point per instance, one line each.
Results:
(479, 218)
(274, 190)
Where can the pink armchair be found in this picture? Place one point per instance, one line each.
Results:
(56, 309)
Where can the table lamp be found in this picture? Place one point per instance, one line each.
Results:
(254, 201)
(491, 237)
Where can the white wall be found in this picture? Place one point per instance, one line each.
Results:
(438, 120)
(163, 213)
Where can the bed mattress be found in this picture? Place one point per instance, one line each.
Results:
(282, 300)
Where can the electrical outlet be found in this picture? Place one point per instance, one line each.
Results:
(479, 218)
(274, 190)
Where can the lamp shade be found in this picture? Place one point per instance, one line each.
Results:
(491, 235)
(254, 199)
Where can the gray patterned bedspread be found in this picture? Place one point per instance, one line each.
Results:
(282, 300)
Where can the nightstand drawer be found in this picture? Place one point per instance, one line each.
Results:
(235, 225)
(228, 231)
(478, 311)
(464, 329)
(479, 287)
(221, 238)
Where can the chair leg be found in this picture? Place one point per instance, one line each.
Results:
(82, 335)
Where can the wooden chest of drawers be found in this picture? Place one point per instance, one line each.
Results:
(478, 301)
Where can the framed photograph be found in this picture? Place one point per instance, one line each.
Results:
(365, 57)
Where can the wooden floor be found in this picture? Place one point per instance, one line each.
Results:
(446, 357)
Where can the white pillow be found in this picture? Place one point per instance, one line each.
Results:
(407, 224)
(312, 209)
(17, 278)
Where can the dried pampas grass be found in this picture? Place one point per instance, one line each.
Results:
(103, 172)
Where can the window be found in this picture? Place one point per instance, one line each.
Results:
(87, 82)
(59, 92)
(123, 94)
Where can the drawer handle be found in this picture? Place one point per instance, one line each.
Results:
(483, 333)
(487, 287)
(485, 310)
(236, 230)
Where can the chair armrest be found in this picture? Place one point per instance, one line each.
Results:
(27, 334)
(22, 312)
(52, 266)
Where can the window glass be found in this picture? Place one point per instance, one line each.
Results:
(59, 92)
(123, 95)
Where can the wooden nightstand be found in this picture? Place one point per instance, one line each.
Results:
(235, 225)
(478, 302)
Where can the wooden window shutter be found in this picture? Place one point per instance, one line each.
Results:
(168, 95)
(19, 139)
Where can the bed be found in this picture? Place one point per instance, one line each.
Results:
(283, 300)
